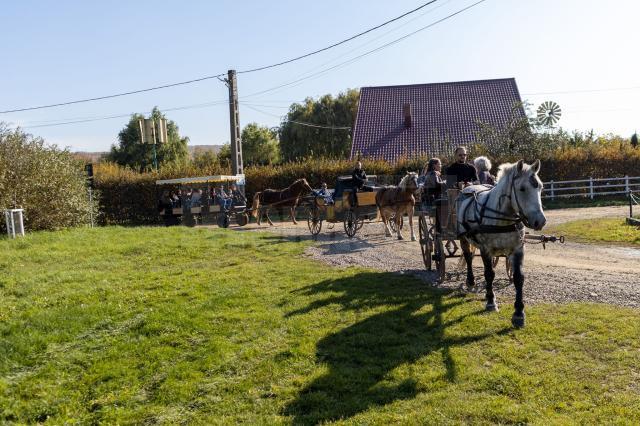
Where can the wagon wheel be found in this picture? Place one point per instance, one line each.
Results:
(440, 257)
(495, 261)
(242, 219)
(223, 220)
(313, 221)
(360, 223)
(392, 223)
(426, 242)
(350, 223)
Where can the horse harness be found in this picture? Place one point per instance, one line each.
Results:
(480, 213)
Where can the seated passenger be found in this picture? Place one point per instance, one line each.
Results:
(359, 176)
(433, 182)
(238, 199)
(223, 199)
(196, 198)
(483, 166)
(324, 193)
(462, 172)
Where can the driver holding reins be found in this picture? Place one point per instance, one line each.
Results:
(463, 172)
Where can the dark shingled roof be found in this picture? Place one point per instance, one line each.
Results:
(443, 115)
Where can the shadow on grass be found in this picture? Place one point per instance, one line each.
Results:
(361, 358)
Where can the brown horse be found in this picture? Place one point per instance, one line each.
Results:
(398, 201)
(288, 197)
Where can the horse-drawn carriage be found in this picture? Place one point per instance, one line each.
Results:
(202, 200)
(348, 205)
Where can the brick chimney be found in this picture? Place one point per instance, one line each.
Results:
(406, 110)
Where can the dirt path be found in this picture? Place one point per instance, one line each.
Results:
(562, 273)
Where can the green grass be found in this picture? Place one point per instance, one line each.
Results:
(201, 326)
(577, 202)
(605, 230)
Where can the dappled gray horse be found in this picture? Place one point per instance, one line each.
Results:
(494, 219)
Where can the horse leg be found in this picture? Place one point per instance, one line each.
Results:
(268, 218)
(518, 318)
(398, 219)
(413, 235)
(385, 221)
(468, 256)
(293, 215)
(489, 275)
(259, 216)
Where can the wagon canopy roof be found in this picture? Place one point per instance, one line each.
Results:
(201, 179)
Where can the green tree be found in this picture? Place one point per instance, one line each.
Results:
(47, 182)
(259, 145)
(298, 141)
(132, 153)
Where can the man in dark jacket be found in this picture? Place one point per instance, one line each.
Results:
(359, 176)
(462, 171)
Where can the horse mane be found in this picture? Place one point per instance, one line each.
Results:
(405, 180)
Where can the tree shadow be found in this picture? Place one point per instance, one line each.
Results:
(361, 357)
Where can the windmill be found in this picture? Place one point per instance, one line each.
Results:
(549, 113)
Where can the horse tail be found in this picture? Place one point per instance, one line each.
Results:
(256, 205)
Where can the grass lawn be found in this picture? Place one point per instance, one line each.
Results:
(202, 326)
(610, 230)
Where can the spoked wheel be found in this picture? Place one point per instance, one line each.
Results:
(426, 242)
(392, 223)
(223, 220)
(440, 257)
(350, 223)
(242, 219)
(313, 221)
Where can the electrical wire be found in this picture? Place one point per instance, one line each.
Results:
(301, 123)
(340, 42)
(111, 96)
(384, 46)
(217, 76)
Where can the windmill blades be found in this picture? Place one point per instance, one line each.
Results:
(549, 113)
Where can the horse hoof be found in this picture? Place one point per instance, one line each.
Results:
(400, 237)
(518, 321)
(471, 282)
(491, 307)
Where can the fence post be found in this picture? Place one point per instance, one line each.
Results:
(626, 183)
(553, 195)
(591, 187)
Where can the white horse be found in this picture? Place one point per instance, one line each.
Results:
(493, 220)
(398, 201)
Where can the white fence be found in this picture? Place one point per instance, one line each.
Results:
(590, 187)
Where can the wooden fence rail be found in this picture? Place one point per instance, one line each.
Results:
(590, 187)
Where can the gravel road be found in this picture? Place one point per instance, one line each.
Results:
(562, 273)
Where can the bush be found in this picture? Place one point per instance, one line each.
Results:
(47, 182)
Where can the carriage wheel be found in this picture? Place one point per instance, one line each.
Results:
(440, 257)
(313, 221)
(495, 261)
(223, 220)
(426, 242)
(350, 223)
(242, 219)
(392, 223)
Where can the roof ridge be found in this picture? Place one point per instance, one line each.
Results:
(513, 79)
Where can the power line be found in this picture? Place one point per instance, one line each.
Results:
(111, 96)
(384, 46)
(110, 117)
(340, 42)
(222, 74)
(301, 123)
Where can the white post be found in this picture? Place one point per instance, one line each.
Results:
(626, 184)
(21, 223)
(553, 195)
(13, 225)
(591, 188)
(8, 221)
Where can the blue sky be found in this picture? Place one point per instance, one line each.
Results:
(67, 50)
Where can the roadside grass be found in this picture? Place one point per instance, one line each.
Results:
(576, 202)
(602, 230)
(204, 326)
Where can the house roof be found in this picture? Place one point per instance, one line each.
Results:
(443, 116)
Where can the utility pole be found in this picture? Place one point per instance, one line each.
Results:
(234, 117)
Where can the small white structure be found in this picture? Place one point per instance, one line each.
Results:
(13, 217)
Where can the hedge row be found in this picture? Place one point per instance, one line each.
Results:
(127, 197)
